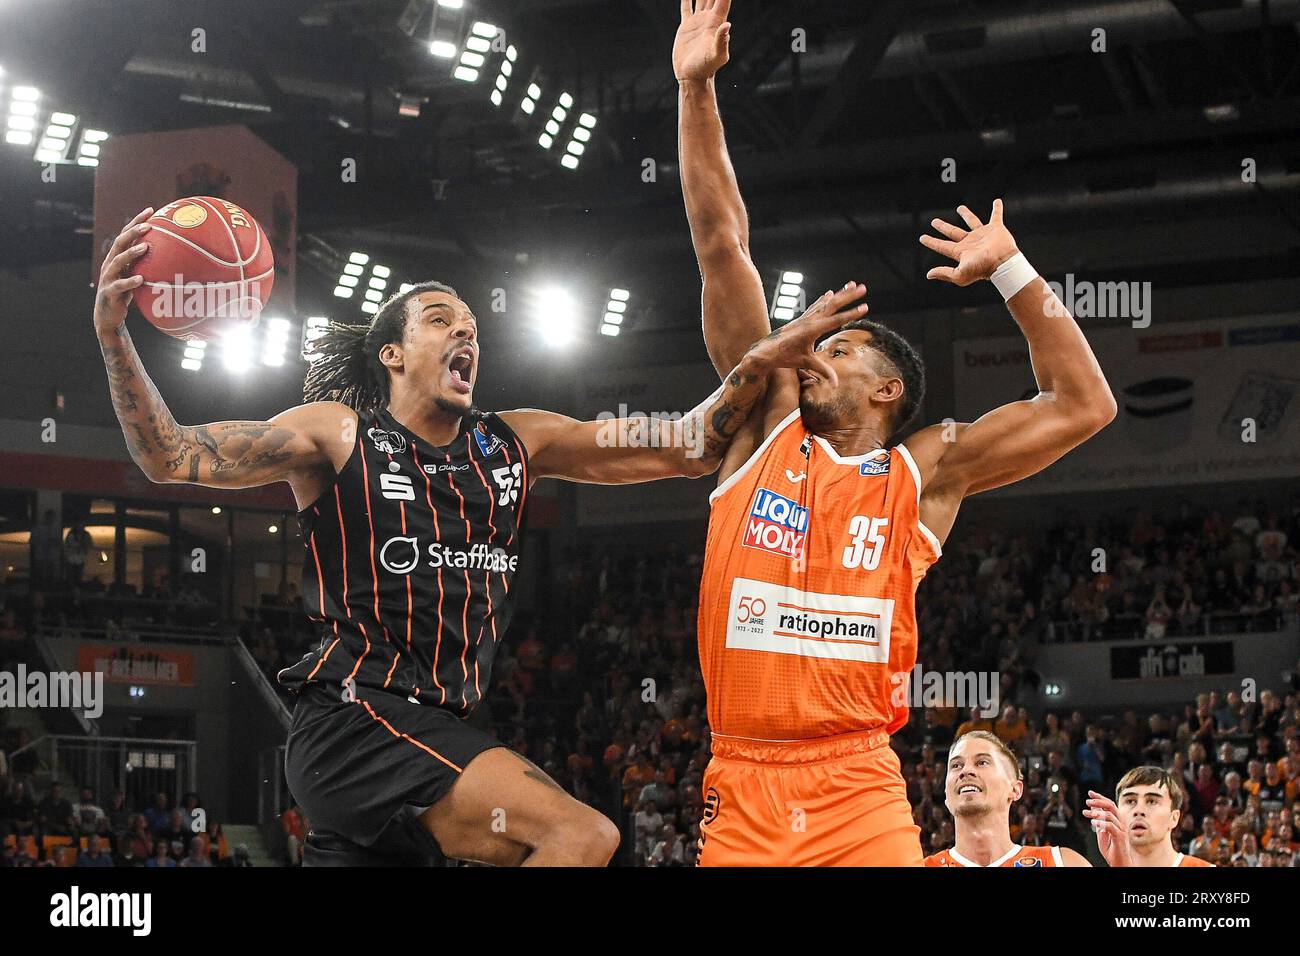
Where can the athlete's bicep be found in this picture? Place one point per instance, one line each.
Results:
(1010, 443)
(734, 306)
(245, 454)
(742, 447)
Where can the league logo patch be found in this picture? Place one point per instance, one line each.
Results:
(878, 465)
(488, 443)
(390, 443)
(806, 448)
(1028, 861)
(776, 525)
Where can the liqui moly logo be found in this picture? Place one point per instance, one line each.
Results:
(776, 525)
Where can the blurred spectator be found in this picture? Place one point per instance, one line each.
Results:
(94, 854)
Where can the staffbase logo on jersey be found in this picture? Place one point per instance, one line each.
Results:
(776, 525)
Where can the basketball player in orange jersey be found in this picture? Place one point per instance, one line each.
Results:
(412, 503)
(824, 523)
(983, 781)
(1136, 828)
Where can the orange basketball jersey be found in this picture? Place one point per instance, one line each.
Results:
(1018, 856)
(1182, 859)
(807, 622)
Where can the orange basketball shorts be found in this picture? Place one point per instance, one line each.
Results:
(829, 801)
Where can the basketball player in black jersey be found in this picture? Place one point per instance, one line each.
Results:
(412, 503)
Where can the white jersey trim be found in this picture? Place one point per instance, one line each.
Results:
(1056, 856)
(916, 480)
(758, 453)
(998, 862)
(846, 460)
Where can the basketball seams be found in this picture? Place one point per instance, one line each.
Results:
(242, 287)
(194, 245)
(230, 231)
(210, 285)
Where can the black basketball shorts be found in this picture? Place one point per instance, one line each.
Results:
(363, 765)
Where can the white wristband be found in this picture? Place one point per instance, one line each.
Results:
(1013, 275)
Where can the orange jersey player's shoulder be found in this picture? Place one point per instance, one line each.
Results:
(1185, 860)
(1017, 856)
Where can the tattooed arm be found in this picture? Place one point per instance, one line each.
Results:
(619, 451)
(302, 445)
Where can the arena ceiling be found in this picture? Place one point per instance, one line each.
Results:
(1127, 160)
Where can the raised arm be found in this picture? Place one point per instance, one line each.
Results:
(1017, 440)
(304, 445)
(617, 451)
(734, 306)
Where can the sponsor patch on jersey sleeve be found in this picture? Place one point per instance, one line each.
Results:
(878, 465)
(488, 443)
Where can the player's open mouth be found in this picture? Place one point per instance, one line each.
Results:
(968, 788)
(460, 370)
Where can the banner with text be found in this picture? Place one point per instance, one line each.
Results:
(134, 665)
(1164, 661)
(1202, 401)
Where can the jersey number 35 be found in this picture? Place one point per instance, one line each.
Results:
(868, 542)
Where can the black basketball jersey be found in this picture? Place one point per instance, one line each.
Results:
(410, 555)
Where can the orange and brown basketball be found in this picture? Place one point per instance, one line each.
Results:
(208, 271)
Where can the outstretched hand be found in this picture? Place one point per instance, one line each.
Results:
(701, 47)
(1112, 834)
(977, 250)
(794, 344)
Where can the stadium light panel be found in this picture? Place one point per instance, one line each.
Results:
(237, 350)
(556, 315)
(789, 296)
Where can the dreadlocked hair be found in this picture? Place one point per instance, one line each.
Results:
(906, 364)
(347, 367)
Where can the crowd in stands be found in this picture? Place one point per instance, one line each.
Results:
(40, 826)
(611, 703)
(604, 692)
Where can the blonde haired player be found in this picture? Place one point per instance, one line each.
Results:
(1136, 828)
(983, 781)
(823, 522)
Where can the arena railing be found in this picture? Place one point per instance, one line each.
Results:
(139, 767)
(1129, 629)
(144, 632)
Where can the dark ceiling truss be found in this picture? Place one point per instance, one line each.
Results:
(836, 148)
